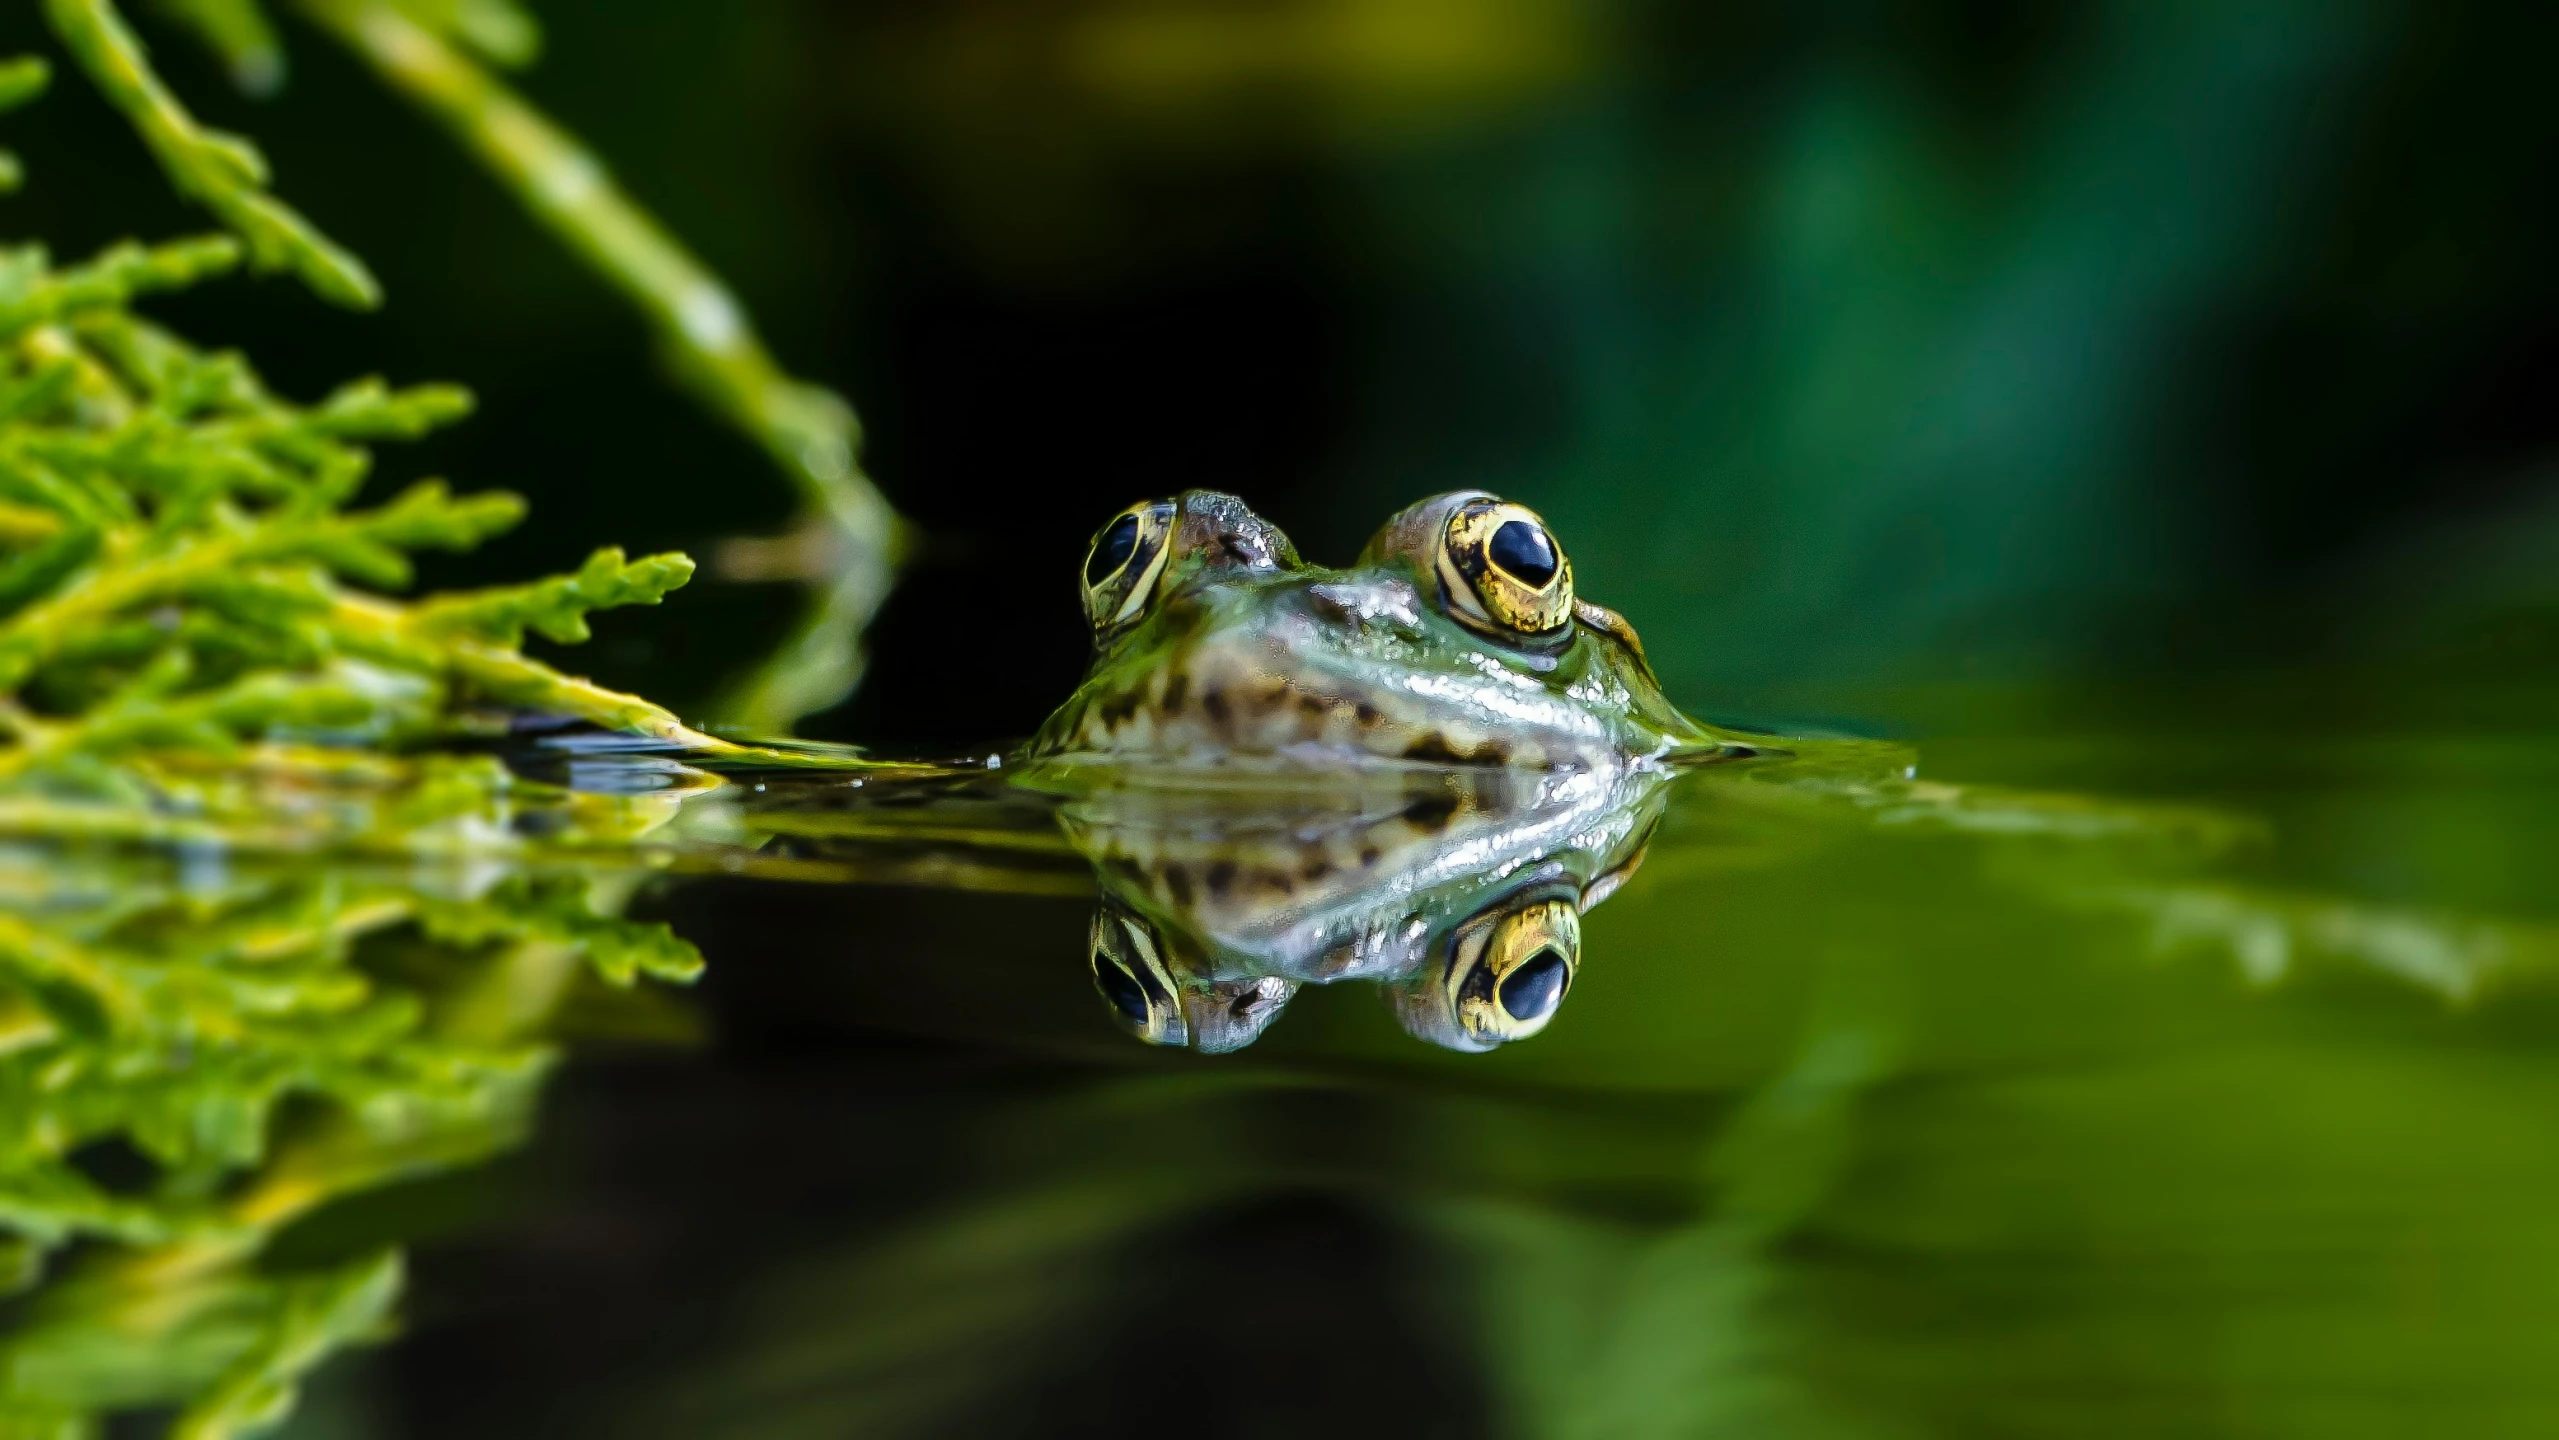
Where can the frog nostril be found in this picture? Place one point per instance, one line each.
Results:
(1524, 551)
(1536, 987)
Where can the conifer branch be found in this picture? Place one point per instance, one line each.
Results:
(196, 634)
(500, 31)
(236, 31)
(222, 172)
(202, 664)
(21, 80)
(712, 346)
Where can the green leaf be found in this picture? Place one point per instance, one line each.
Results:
(223, 173)
(556, 608)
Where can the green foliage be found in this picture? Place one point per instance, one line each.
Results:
(222, 172)
(21, 80)
(265, 1041)
(114, 1341)
(430, 50)
(153, 1004)
(422, 48)
(192, 635)
(236, 30)
(555, 608)
(199, 649)
(500, 30)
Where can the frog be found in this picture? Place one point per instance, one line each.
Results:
(1420, 770)
(1456, 638)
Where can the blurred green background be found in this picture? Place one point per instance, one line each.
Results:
(1908, 365)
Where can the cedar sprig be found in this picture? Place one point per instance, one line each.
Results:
(439, 54)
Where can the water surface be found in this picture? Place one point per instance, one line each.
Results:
(2172, 1084)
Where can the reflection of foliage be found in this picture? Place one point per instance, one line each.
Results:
(217, 1033)
(2270, 933)
(426, 48)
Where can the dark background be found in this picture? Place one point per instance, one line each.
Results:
(1865, 354)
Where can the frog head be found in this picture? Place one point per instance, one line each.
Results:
(1456, 639)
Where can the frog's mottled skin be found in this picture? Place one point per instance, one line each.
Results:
(1248, 658)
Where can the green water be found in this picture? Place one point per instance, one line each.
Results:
(2096, 1084)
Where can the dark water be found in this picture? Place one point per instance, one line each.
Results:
(2208, 1096)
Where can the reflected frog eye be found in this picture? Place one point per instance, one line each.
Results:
(1502, 571)
(1126, 561)
(1508, 978)
(1129, 970)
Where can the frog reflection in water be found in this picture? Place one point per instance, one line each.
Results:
(1468, 756)
(1461, 893)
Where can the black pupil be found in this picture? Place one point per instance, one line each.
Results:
(1120, 988)
(1112, 550)
(1524, 551)
(1532, 991)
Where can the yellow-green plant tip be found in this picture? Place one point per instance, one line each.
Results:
(23, 78)
(498, 30)
(223, 173)
(237, 32)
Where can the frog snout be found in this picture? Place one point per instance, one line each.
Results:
(1368, 603)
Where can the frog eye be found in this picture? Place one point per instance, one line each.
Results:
(1502, 571)
(1507, 979)
(1129, 970)
(1126, 560)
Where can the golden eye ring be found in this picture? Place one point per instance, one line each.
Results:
(1502, 571)
(1124, 564)
(1507, 979)
(1129, 971)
